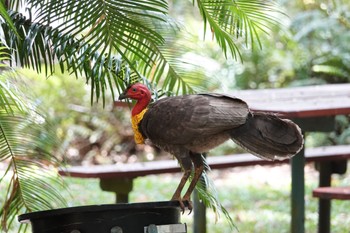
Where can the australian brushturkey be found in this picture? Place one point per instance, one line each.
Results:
(186, 126)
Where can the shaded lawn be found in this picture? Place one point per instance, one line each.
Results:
(256, 197)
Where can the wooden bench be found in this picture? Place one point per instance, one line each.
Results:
(325, 195)
(338, 193)
(119, 178)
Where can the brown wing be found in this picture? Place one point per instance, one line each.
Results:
(182, 119)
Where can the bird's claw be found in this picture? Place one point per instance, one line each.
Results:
(182, 206)
(185, 203)
(189, 207)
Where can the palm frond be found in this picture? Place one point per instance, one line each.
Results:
(119, 53)
(15, 5)
(44, 46)
(231, 21)
(5, 16)
(126, 29)
(8, 98)
(105, 44)
(84, 36)
(26, 145)
(172, 71)
(208, 195)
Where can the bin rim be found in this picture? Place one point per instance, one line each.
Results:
(97, 208)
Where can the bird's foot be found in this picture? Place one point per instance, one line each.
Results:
(189, 206)
(184, 202)
(187, 198)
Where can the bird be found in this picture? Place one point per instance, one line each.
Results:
(187, 126)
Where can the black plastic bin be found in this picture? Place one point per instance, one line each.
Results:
(116, 218)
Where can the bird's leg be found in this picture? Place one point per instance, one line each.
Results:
(186, 164)
(198, 169)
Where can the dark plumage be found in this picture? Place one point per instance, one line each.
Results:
(186, 126)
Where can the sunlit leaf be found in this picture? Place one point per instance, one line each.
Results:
(233, 21)
(7, 18)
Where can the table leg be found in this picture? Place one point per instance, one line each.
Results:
(121, 198)
(122, 187)
(324, 205)
(310, 124)
(326, 169)
(298, 193)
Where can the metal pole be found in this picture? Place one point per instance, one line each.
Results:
(199, 214)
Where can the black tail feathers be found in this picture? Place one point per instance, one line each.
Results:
(269, 137)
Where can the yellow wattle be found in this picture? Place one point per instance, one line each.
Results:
(135, 120)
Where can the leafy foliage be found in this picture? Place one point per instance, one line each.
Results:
(208, 196)
(4, 14)
(229, 19)
(111, 41)
(313, 49)
(328, 26)
(26, 145)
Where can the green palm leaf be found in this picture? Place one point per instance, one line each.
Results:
(119, 47)
(208, 196)
(8, 99)
(169, 70)
(76, 48)
(26, 145)
(230, 21)
(85, 36)
(120, 28)
(6, 17)
(44, 46)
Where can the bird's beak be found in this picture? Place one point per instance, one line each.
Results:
(122, 96)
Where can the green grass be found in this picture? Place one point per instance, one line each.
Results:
(257, 198)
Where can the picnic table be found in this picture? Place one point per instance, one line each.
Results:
(313, 108)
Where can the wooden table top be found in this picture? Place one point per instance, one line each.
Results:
(300, 102)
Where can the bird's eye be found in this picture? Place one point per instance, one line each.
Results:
(134, 89)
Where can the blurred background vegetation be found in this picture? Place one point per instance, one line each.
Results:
(310, 46)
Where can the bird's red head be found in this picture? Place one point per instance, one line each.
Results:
(140, 93)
